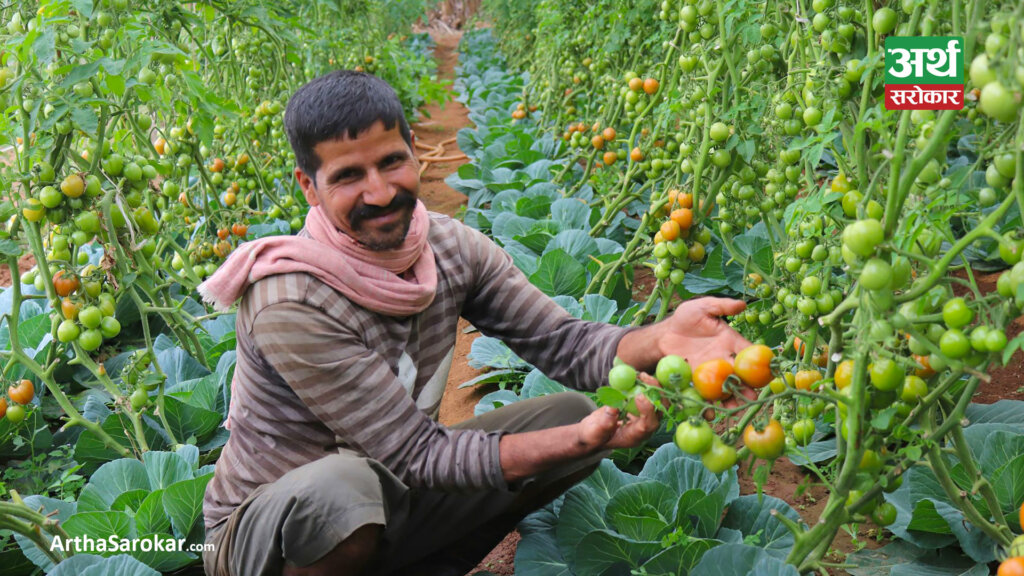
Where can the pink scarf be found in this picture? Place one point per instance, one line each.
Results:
(367, 277)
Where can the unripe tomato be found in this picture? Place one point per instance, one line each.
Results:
(673, 372)
(720, 457)
(863, 236)
(914, 388)
(803, 431)
(90, 317)
(709, 379)
(22, 393)
(876, 275)
(109, 327)
(753, 365)
(622, 377)
(15, 414)
(73, 185)
(67, 331)
(885, 374)
(767, 443)
(956, 313)
(954, 344)
(884, 515)
(90, 339)
(139, 399)
(694, 437)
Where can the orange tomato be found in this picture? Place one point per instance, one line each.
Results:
(608, 134)
(806, 379)
(685, 200)
(65, 284)
(636, 155)
(683, 217)
(650, 85)
(597, 142)
(709, 379)
(1012, 567)
(69, 309)
(22, 393)
(925, 371)
(844, 374)
(610, 158)
(670, 230)
(753, 365)
(636, 84)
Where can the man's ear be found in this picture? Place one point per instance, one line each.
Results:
(308, 187)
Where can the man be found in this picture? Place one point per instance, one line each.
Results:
(335, 464)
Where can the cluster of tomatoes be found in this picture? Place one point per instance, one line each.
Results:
(679, 242)
(21, 394)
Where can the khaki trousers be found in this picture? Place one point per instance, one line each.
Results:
(311, 509)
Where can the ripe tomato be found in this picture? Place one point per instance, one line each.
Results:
(1011, 567)
(65, 283)
(223, 233)
(844, 374)
(768, 443)
(239, 230)
(650, 86)
(720, 457)
(608, 134)
(683, 217)
(636, 155)
(610, 158)
(22, 393)
(622, 377)
(670, 230)
(709, 379)
(694, 437)
(753, 365)
(673, 372)
(807, 379)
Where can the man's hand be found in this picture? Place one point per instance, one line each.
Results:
(602, 429)
(696, 332)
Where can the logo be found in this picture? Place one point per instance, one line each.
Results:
(924, 73)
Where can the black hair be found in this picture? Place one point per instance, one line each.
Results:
(340, 104)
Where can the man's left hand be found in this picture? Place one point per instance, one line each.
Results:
(697, 332)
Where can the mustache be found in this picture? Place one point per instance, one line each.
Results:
(403, 200)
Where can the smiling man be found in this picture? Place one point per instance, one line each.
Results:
(345, 334)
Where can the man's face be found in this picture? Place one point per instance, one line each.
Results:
(367, 186)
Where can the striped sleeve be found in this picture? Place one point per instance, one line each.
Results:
(351, 389)
(504, 304)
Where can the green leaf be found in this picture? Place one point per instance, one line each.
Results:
(165, 468)
(636, 510)
(537, 384)
(44, 45)
(742, 560)
(100, 525)
(602, 549)
(678, 560)
(84, 7)
(608, 396)
(906, 559)
(180, 366)
(91, 451)
(489, 378)
(183, 502)
(9, 247)
(115, 478)
(752, 516)
(129, 501)
(571, 213)
(576, 243)
(162, 560)
(559, 273)
(488, 352)
(188, 421)
(151, 518)
(85, 119)
(92, 565)
(538, 555)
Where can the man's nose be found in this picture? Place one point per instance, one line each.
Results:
(378, 191)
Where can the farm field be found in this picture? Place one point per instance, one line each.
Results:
(628, 157)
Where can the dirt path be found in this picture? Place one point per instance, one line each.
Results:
(442, 125)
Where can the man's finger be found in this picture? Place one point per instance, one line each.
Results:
(722, 306)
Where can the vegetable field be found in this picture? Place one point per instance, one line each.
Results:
(628, 156)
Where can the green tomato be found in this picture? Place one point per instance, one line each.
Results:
(885, 374)
(914, 388)
(50, 197)
(720, 457)
(139, 399)
(109, 327)
(810, 286)
(884, 515)
(67, 331)
(876, 275)
(622, 377)
(995, 340)
(694, 437)
(803, 431)
(863, 236)
(673, 372)
(15, 414)
(956, 313)
(954, 344)
(90, 340)
(884, 20)
(90, 317)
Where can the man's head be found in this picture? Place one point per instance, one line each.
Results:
(354, 155)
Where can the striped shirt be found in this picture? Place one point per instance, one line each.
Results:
(316, 372)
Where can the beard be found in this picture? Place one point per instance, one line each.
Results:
(385, 236)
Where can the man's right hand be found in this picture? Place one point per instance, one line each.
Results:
(603, 430)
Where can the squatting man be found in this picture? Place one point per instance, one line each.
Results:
(345, 335)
